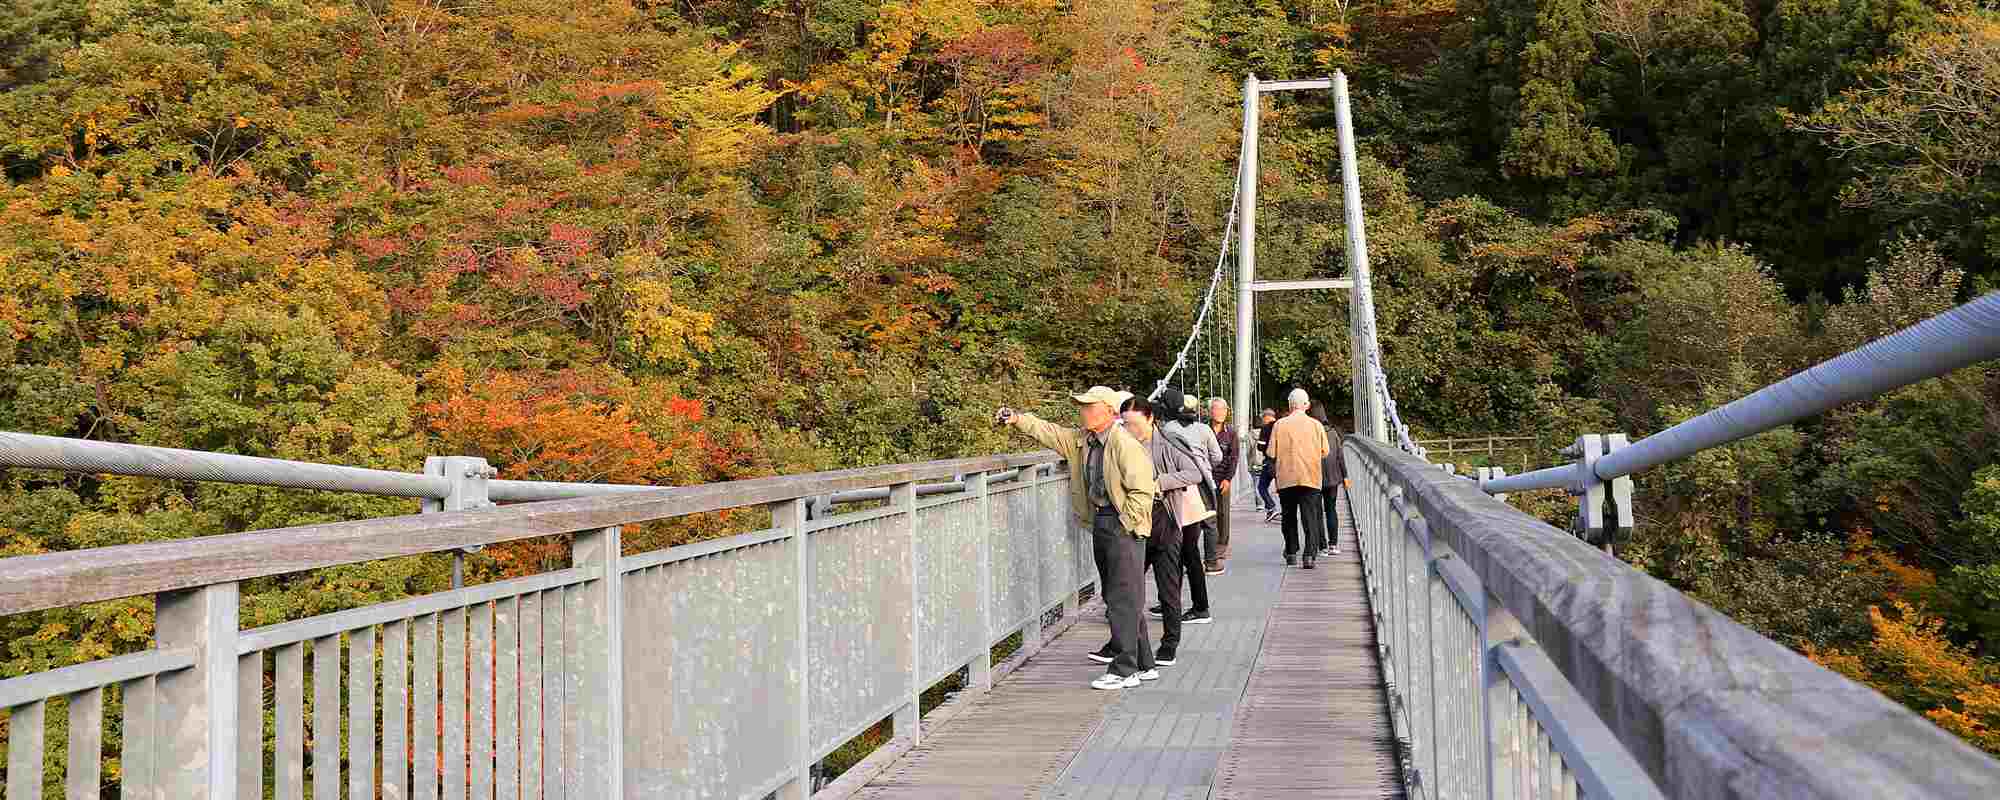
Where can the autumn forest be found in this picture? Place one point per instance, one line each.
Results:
(702, 240)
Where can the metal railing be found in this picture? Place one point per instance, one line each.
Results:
(1958, 338)
(724, 668)
(1523, 663)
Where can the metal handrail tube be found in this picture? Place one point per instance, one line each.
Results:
(33, 451)
(1558, 477)
(1961, 337)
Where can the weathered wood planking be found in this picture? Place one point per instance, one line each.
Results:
(1042, 733)
(1018, 737)
(1314, 721)
(54, 580)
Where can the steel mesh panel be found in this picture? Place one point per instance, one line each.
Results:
(858, 621)
(1015, 576)
(949, 625)
(711, 673)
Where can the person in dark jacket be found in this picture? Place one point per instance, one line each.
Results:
(1269, 473)
(1332, 479)
(1177, 472)
(1225, 435)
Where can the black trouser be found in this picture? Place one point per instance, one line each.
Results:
(1207, 537)
(1294, 497)
(1120, 562)
(1264, 477)
(1326, 498)
(1197, 576)
(1164, 552)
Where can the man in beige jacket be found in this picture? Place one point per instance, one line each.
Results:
(1298, 443)
(1111, 489)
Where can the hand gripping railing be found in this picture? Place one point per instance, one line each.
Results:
(1958, 338)
(724, 668)
(1522, 663)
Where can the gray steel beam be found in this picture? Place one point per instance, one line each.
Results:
(1961, 337)
(32, 451)
(1287, 286)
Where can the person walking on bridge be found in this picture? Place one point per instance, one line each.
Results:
(1263, 468)
(1113, 490)
(1298, 448)
(1332, 479)
(1225, 436)
(1198, 537)
(1176, 471)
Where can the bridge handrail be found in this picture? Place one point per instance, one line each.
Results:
(1958, 338)
(53, 580)
(1707, 707)
(35, 451)
(749, 658)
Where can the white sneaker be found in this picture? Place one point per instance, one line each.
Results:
(1148, 675)
(1113, 681)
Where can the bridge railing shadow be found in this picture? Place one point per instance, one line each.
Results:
(722, 668)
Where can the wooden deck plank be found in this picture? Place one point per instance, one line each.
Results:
(1314, 721)
(1288, 662)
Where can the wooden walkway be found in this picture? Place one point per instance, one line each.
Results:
(1280, 697)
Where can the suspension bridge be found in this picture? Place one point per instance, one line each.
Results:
(1458, 648)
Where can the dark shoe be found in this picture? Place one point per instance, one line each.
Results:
(1102, 656)
(1154, 609)
(1309, 562)
(1164, 657)
(1197, 618)
(1289, 559)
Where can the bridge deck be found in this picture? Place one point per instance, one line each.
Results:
(1279, 697)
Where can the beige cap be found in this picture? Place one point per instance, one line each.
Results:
(1100, 394)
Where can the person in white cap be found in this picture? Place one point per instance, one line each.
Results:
(1112, 488)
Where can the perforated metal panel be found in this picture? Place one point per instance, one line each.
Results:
(1058, 545)
(711, 670)
(949, 625)
(1014, 560)
(858, 618)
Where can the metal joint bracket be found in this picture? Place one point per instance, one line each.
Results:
(1593, 493)
(468, 476)
(1488, 474)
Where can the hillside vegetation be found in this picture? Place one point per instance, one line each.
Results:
(714, 239)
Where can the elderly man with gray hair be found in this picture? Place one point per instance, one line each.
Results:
(1112, 488)
(1298, 444)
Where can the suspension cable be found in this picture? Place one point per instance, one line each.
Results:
(1214, 280)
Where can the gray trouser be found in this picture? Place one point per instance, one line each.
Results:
(1208, 529)
(1121, 564)
(1221, 549)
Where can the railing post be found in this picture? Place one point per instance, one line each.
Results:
(198, 714)
(979, 673)
(1503, 751)
(600, 710)
(908, 718)
(791, 515)
(468, 476)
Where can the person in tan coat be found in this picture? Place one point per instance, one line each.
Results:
(1112, 489)
(1298, 444)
